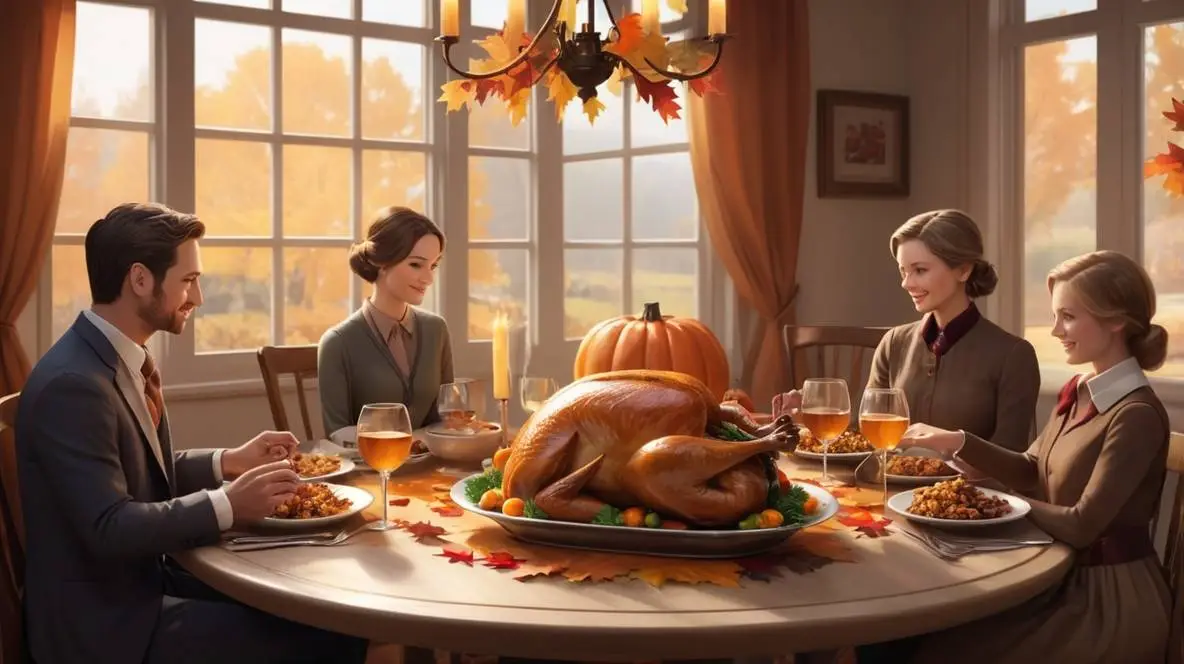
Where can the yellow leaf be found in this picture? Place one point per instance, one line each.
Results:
(458, 94)
(592, 109)
(679, 6)
(495, 45)
(517, 106)
(560, 90)
(615, 82)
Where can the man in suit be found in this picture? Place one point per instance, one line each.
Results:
(104, 495)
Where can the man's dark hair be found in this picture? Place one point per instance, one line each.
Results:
(144, 233)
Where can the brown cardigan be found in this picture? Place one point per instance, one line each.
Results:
(986, 382)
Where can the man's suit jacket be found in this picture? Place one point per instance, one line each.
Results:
(101, 507)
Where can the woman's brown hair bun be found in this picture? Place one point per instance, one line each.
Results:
(389, 241)
(1150, 348)
(359, 261)
(983, 279)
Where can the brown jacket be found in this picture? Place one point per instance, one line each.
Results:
(986, 382)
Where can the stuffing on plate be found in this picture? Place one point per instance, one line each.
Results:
(959, 500)
(918, 466)
(312, 501)
(315, 465)
(848, 442)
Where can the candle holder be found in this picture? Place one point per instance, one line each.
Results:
(503, 408)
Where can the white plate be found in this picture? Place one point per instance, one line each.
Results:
(1019, 509)
(840, 457)
(347, 466)
(361, 500)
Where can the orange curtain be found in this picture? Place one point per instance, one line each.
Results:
(748, 150)
(36, 64)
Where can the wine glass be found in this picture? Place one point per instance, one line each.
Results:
(534, 391)
(454, 403)
(883, 418)
(826, 412)
(384, 441)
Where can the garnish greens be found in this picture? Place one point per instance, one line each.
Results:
(791, 503)
(532, 511)
(490, 479)
(609, 516)
(729, 431)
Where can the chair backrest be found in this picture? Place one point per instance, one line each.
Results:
(12, 536)
(301, 363)
(1174, 550)
(831, 351)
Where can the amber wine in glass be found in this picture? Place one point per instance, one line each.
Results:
(456, 408)
(883, 418)
(826, 412)
(384, 442)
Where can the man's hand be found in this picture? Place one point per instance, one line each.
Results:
(947, 443)
(787, 403)
(267, 447)
(257, 492)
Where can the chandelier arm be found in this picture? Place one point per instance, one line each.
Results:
(447, 42)
(719, 51)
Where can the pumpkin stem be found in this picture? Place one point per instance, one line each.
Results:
(652, 313)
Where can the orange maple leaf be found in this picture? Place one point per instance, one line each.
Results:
(630, 34)
(456, 554)
(705, 85)
(424, 530)
(1176, 114)
(661, 96)
(1169, 164)
(448, 510)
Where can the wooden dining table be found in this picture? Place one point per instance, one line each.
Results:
(837, 584)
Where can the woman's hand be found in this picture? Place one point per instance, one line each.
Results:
(930, 437)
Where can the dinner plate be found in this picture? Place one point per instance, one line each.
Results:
(842, 457)
(1019, 509)
(361, 499)
(917, 480)
(729, 543)
(347, 466)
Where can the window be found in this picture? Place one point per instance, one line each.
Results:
(285, 124)
(1088, 106)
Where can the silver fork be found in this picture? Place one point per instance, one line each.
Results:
(259, 539)
(341, 538)
(930, 546)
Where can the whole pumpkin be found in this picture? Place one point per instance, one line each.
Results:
(654, 341)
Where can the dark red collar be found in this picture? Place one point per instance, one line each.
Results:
(940, 341)
(1068, 397)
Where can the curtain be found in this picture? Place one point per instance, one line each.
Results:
(748, 151)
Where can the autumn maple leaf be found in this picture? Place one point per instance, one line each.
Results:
(1176, 114)
(864, 522)
(399, 502)
(630, 34)
(661, 96)
(1170, 165)
(448, 510)
(422, 530)
(502, 560)
(457, 555)
(592, 109)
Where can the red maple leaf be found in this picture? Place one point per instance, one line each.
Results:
(522, 77)
(1176, 114)
(659, 95)
(457, 555)
(488, 86)
(502, 560)
(448, 510)
(422, 530)
(864, 522)
(705, 85)
(400, 502)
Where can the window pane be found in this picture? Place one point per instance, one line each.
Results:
(498, 281)
(392, 90)
(71, 290)
(1037, 10)
(391, 178)
(1060, 160)
(646, 126)
(236, 285)
(259, 4)
(602, 23)
(316, 292)
(316, 83)
(104, 167)
(665, 206)
(592, 288)
(233, 186)
(1163, 214)
(232, 75)
(488, 14)
(404, 12)
(606, 133)
(112, 62)
(593, 200)
(499, 198)
(317, 191)
(330, 8)
(667, 276)
(665, 13)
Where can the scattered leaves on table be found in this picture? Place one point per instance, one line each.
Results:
(501, 560)
(456, 554)
(448, 510)
(422, 530)
(864, 522)
(400, 502)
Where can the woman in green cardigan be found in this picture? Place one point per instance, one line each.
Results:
(389, 350)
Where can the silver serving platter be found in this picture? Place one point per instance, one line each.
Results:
(650, 541)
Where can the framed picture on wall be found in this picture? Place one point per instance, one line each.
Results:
(863, 144)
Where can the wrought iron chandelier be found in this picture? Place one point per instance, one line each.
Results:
(574, 63)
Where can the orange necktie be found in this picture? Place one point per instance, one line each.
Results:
(152, 390)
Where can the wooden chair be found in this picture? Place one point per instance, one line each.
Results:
(817, 351)
(1173, 557)
(301, 363)
(12, 536)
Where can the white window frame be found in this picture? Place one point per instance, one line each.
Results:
(1118, 25)
(171, 174)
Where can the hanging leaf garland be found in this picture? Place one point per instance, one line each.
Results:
(1170, 164)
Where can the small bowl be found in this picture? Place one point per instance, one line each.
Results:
(463, 447)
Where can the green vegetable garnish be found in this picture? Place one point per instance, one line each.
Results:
(532, 511)
(490, 479)
(609, 516)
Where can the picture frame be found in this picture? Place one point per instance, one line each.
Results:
(862, 144)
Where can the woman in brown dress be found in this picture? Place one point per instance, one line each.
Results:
(1094, 475)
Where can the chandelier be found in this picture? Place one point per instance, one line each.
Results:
(573, 64)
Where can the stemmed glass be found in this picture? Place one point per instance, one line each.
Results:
(456, 408)
(826, 412)
(534, 391)
(883, 418)
(384, 441)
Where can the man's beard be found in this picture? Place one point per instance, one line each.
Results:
(159, 318)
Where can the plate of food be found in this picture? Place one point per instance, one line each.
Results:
(850, 446)
(319, 504)
(670, 489)
(313, 467)
(918, 469)
(958, 504)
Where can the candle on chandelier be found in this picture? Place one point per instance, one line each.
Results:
(567, 13)
(450, 18)
(501, 356)
(515, 24)
(649, 16)
(717, 17)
